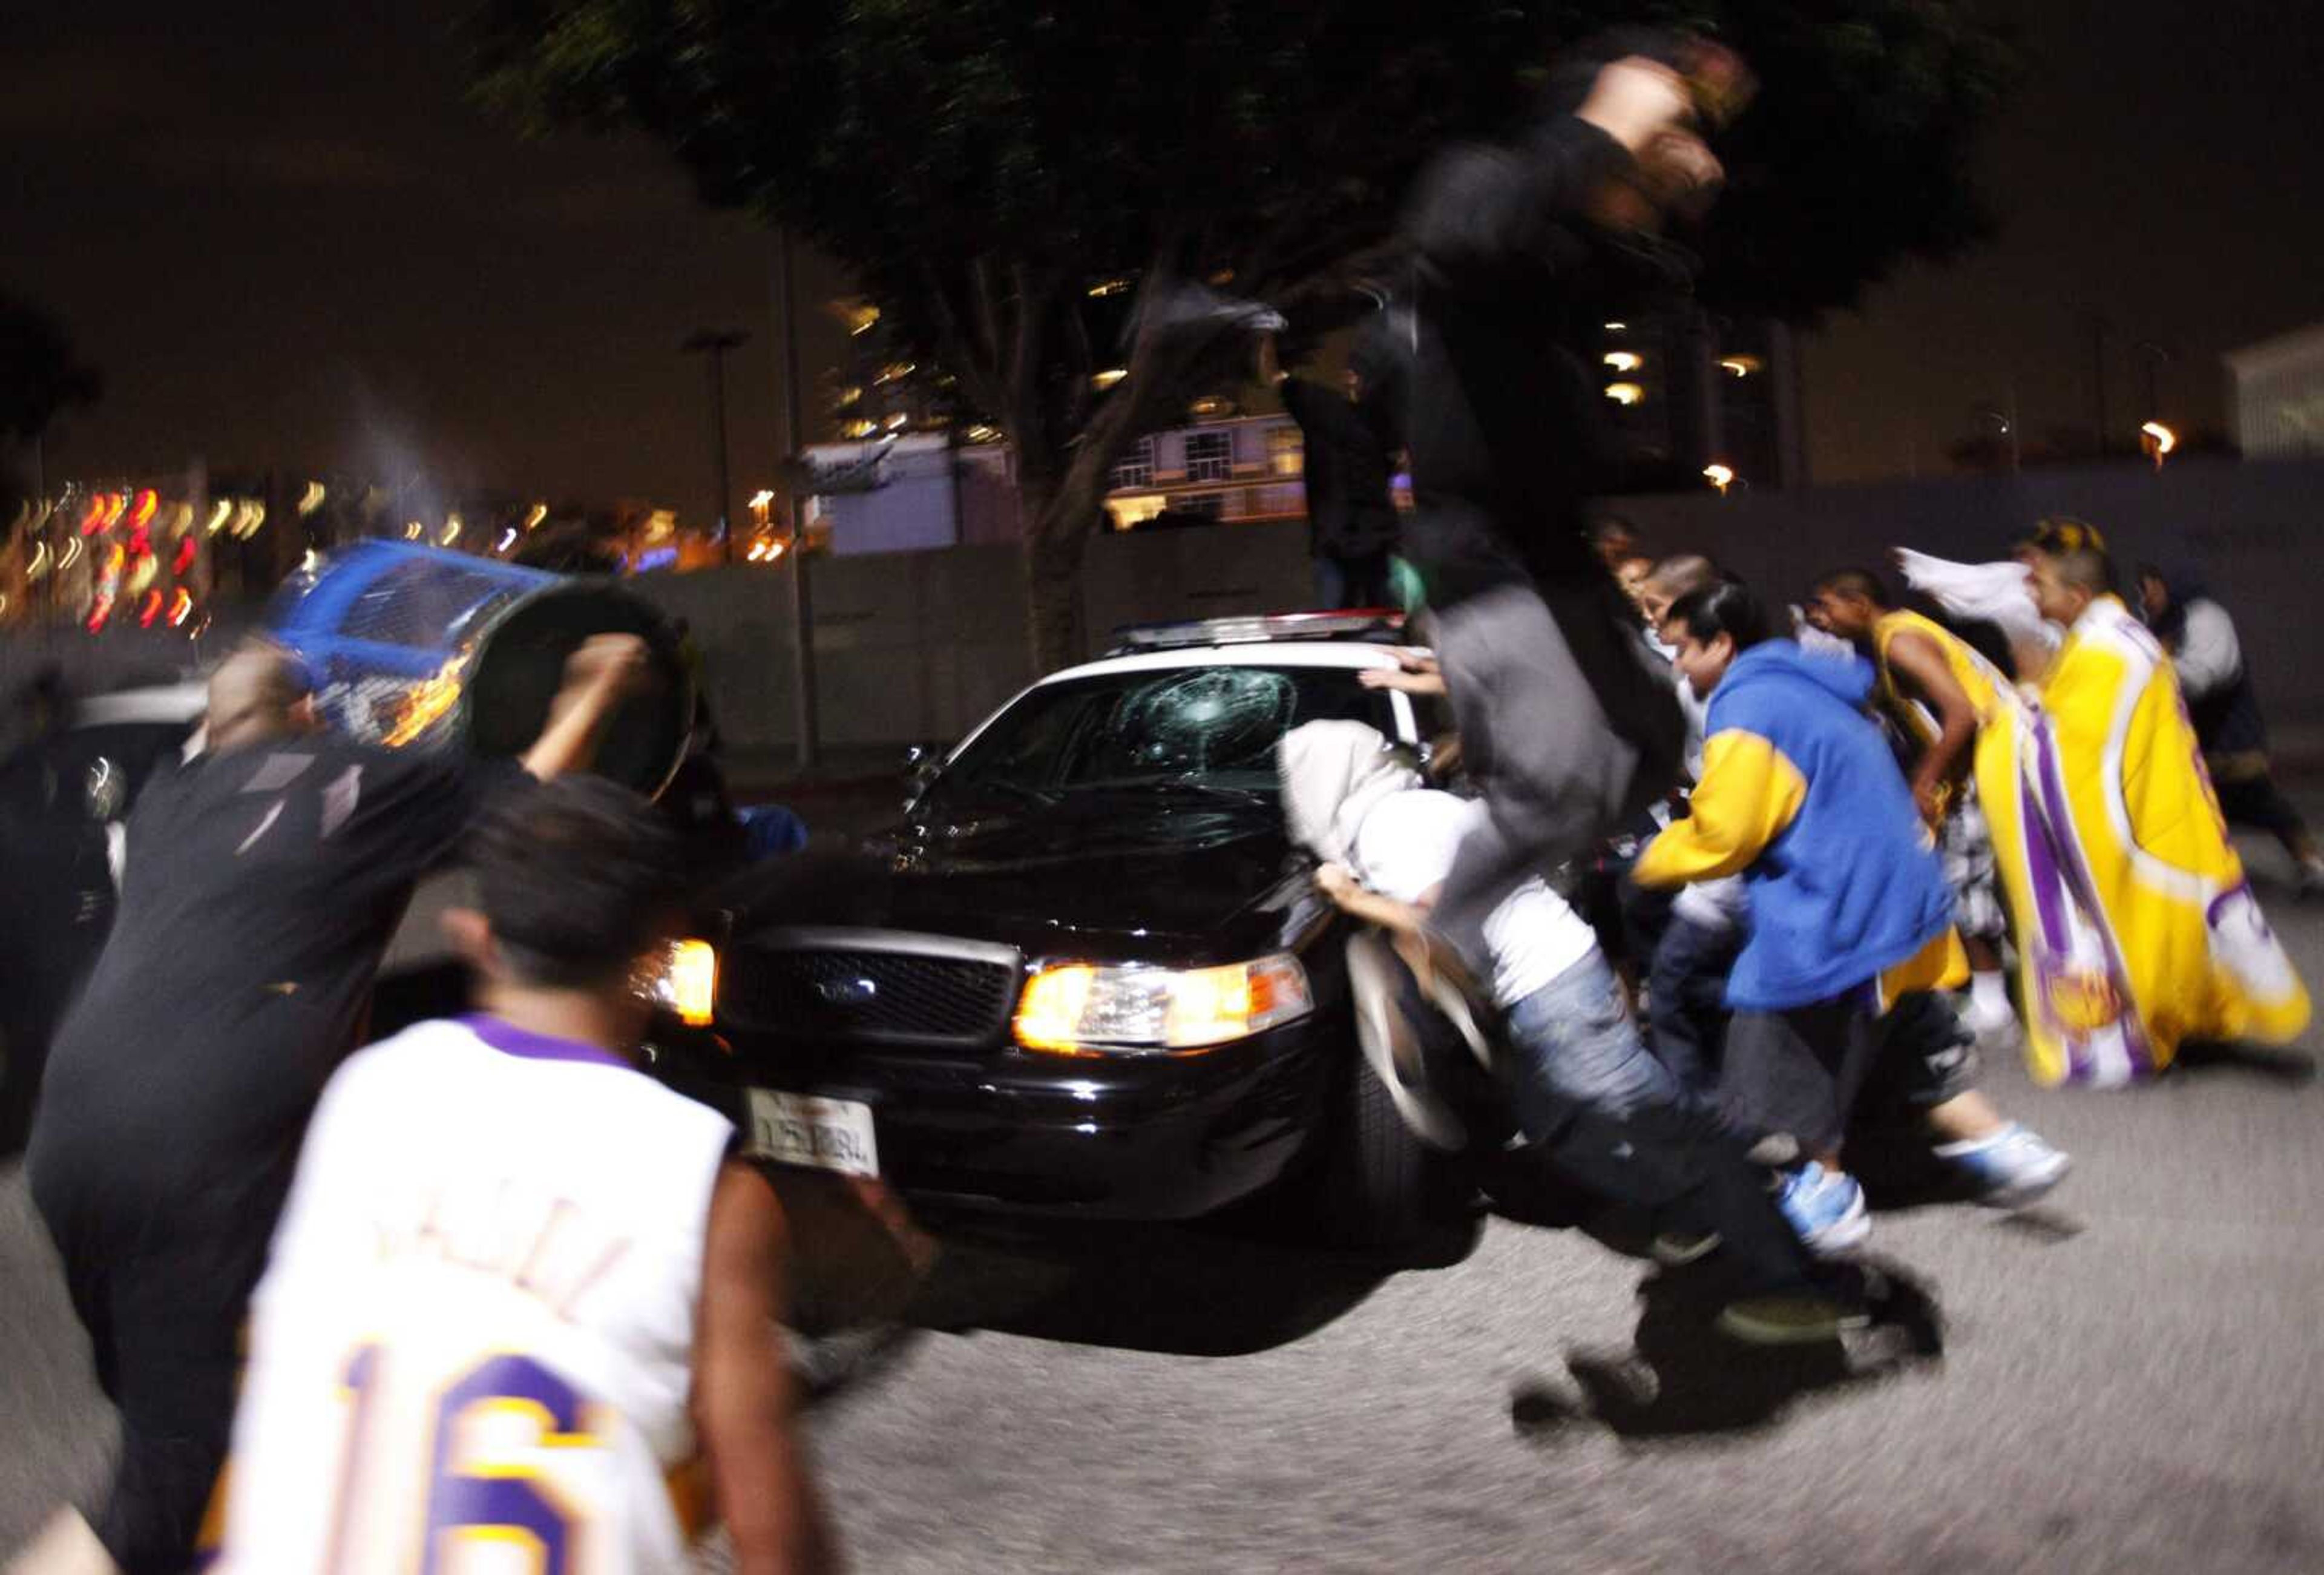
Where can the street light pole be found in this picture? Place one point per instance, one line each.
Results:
(715, 343)
(2157, 356)
(803, 693)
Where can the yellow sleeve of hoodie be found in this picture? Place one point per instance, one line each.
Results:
(1749, 793)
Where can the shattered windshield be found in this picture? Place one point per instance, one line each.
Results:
(1195, 729)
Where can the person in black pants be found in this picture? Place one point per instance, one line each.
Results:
(1518, 253)
(1347, 444)
(2216, 680)
(263, 880)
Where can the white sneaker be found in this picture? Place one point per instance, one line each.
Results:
(1825, 1208)
(2011, 1168)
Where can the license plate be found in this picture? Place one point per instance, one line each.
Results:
(818, 1133)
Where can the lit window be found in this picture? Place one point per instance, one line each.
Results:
(1742, 365)
(1287, 451)
(1214, 506)
(1625, 393)
(1135, 468)
(1210, 456)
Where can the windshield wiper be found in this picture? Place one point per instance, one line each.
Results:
(998, 787)
(1253, 796)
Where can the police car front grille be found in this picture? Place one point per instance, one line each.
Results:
(903, 992)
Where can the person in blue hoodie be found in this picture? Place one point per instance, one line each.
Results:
(1851, 929)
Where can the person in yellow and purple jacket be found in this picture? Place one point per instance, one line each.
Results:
(2143, 932)
(1851, 917)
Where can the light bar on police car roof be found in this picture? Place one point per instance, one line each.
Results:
(1338, 624)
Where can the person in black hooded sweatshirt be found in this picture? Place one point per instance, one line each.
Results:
(2216, 680)
(1518, 253)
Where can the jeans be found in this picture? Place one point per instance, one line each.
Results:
(1594, 1104)
(1574, 1039)
(1686, 1000)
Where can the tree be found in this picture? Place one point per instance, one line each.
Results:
(983, 165)
(40, 378)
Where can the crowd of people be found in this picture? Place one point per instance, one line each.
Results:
(1808, 938)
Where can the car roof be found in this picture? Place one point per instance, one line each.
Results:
(1286, 653)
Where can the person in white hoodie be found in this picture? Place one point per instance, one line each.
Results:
(1587, 1095)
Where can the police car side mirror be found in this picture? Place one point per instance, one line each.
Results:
(104, 789)
(922, 762)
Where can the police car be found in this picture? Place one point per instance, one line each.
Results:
(1087, 976)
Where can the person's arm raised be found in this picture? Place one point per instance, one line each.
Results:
(605, 671)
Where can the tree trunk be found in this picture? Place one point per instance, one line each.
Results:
(1056, 515)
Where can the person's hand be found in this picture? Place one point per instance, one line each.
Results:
(1416, 673)
(614, 662)
(1337, 881)
(1398, 679)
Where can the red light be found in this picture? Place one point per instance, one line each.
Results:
(185, 558)
(98, 613)
(180, 606)
(141, 513)
(93, 520)
(150, 611)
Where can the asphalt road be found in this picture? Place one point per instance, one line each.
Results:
(2131, 1379)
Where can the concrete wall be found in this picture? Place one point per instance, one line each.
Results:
(918, 647)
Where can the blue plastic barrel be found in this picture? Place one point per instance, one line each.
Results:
(415, 647)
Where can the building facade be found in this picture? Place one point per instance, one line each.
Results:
(2277, 404)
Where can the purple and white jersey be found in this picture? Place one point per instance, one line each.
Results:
(473, 1349)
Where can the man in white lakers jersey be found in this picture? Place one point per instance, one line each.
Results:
(522, 1302)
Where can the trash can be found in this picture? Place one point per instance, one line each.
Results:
(417, 648)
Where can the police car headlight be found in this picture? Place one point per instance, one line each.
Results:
(685, 979)
(1082, 1009)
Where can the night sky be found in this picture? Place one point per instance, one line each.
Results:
(287, 239)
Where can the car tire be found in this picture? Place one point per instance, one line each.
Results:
(1383, 1189)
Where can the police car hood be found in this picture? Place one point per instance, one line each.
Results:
(1157, 877)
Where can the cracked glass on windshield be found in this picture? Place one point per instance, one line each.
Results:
(1204, 727)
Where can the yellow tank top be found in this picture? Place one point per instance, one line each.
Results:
(1979, 679)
